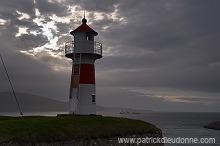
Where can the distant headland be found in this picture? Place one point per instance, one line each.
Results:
(214, 125)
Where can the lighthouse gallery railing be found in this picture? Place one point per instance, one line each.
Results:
(69, 47)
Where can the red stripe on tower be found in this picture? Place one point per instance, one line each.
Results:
(87, 74)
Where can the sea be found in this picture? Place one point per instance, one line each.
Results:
(172, 124)
(180, 124)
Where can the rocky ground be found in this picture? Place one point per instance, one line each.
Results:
(96, 142)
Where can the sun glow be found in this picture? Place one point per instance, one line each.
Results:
(50, 30)
(60, 19)
(2, 21)
(21, 30)
(23, 15)
(172, 95)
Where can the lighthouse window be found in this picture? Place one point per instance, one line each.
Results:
(89, 37)
(93, 97)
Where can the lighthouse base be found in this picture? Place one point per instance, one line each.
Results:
(85, 102)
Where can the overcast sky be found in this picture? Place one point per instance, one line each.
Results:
(162, 55)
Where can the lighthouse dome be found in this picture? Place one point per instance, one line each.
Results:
(84, 27)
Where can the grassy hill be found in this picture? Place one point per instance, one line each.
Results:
(36, 129)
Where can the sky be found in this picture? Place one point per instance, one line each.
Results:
(160, 55)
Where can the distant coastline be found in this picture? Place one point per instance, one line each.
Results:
(33, 103)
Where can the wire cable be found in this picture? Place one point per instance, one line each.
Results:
(11, 86)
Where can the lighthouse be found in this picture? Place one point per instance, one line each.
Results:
(83, 51)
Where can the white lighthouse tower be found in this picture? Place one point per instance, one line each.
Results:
(83, 51)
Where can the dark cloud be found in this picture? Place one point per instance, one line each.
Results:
(167, 44)
(106, 20)
(8, 8)
(28, 42)
(63, 28)
(98, 5)
(48, 8)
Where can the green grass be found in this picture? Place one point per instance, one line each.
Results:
(32, 129)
